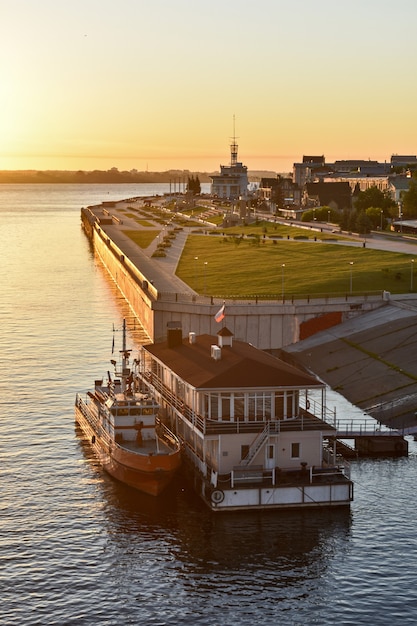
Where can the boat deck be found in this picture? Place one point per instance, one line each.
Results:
(146, 447)
(280, 478)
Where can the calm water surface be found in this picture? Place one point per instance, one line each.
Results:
(78, 548)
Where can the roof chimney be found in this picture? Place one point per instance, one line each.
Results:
(174, 334)
(191, 337)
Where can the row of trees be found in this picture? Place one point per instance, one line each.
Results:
(194, 185)
(357, 220)
(373, 209)
(110, 176)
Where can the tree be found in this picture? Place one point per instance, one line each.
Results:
(197, 185)
(344, 221)
(363, 223)
(194, 185)
(409, 200)
(373, 197)
(375, 217)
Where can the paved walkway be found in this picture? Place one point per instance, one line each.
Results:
(161, 271)
(158, 271)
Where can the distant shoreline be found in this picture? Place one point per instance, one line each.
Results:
(113, 176)
(98, 176)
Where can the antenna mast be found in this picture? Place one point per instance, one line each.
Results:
(233, 146)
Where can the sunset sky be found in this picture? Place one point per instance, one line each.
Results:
(155, 84)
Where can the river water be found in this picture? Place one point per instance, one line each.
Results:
(78, 548)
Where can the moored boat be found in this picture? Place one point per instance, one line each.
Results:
(252, 426)
(120, 420)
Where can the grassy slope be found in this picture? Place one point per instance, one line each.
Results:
(311, 268)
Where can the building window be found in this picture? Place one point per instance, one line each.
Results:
(239, 407)
(214, 407)
(225, 400)
(295, 450)
(259, 406)
(280, 413)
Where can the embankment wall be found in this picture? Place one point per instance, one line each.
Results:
(266, 325)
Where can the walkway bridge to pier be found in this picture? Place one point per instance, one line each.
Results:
(370, 439)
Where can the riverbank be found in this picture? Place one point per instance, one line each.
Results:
(108, 177)
(365, 357)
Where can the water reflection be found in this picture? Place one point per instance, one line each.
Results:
(290, 545)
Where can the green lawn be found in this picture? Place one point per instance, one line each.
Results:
(226, 269)
(141, 222)
(144, 223)
(143, 238)
(270, 229)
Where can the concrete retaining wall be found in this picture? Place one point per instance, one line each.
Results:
(132, 284)
(266, 325)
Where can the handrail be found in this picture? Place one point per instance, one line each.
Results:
(364, 428)
(271, 298)
(259, 441)
(206, 426)
(255, 446)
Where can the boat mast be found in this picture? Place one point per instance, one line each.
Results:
(125, 374)
(125, 360)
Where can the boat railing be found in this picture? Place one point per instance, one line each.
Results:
(92, 416)
(278, 476)
(168, 437)
(85, 410)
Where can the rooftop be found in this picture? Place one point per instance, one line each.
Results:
(240, 366)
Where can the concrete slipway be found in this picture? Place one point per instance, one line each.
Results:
(371, 361)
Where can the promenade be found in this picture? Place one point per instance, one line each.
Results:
(159, 271)
(368, 359)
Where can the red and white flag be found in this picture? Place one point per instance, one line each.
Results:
(220, 315)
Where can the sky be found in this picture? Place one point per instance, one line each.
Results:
(165, 84)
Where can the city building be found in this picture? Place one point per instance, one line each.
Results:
(232, 182)
(253, 427)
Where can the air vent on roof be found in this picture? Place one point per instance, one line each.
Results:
(225, 337)
(191, 337)
(216, 353)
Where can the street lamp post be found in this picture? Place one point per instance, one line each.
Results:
(411, 274)
(382, 213)
(328, 217)
(282, 276)
(351, 268)
(205, 277)
(196, 273)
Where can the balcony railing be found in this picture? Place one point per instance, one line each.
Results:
(236, 425)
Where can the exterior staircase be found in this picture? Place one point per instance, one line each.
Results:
(259, 442)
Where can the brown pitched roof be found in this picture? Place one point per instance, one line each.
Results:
(338, 192)
(240, 366)
(225, 332)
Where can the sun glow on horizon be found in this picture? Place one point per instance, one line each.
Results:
(78, 92)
